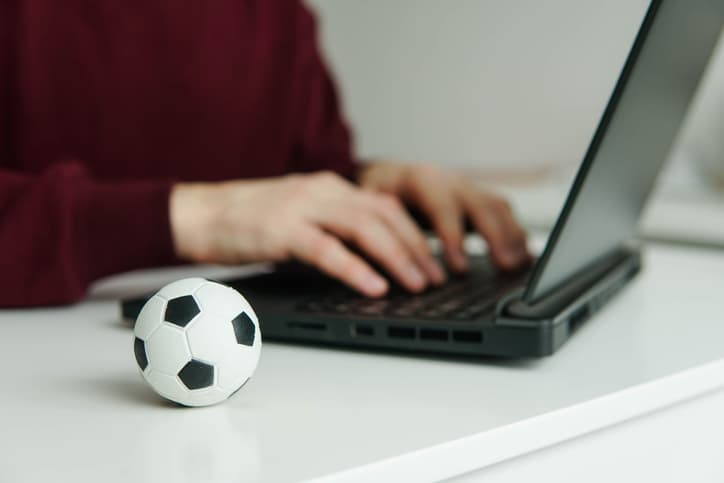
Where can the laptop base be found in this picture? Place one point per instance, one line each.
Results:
(509, 328)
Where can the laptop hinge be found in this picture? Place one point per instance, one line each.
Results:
(560, 298)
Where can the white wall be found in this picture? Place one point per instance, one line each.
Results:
(467, 82)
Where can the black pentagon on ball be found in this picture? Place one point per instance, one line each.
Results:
(197, 375)
(244, 329)
(139, 349)
(181, 310)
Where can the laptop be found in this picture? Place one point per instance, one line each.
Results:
(591, 253)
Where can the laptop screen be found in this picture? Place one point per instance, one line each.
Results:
(633, 139)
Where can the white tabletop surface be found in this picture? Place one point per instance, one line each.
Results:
(682, 443)
(74, 407)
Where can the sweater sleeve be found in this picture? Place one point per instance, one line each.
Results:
(61, 229)
(323, 139)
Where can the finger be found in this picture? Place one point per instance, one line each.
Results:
(399, 221)
(372, 235)
(355, 221)
(446, 216)
(493, 220)
(328, 254)
(350, 217)
(516, 243)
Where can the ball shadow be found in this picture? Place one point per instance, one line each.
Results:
(124, 389)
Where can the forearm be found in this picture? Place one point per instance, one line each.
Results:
(61, 230)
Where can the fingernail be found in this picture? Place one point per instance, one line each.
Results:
(436, 272)
(375, 284)
(513, 255)
(460, 261)
(415, 276)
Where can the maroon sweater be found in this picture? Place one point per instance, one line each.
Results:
(105, 103)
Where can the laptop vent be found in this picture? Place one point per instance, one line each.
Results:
(423, 334)
(468, 336)
(401, 332)
(311, 326)
(441, 335)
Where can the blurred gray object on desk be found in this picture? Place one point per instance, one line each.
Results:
(684, 209)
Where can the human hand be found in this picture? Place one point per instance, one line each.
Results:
(447, 199)
(306, 217)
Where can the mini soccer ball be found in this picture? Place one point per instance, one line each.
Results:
(197, 342)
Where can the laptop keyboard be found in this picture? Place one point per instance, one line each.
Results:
(462, 298)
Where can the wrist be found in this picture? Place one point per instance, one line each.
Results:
(191, 214)
(384, 176)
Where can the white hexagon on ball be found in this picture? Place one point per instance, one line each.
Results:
(167, 386)
(197, 342)
(167, 350)
(210, 339)
(150, 319)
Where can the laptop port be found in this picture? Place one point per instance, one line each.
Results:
(468, 336)
(440, 335)
(363, 331)
(401, 332)
(315, 326)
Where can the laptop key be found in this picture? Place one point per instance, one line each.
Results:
(462, 316)
(461, 299)
(403, 312)
(312, 306)
(377, 308)
(478, 309)
(432, 313)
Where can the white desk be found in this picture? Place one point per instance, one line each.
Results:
(74, 408)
